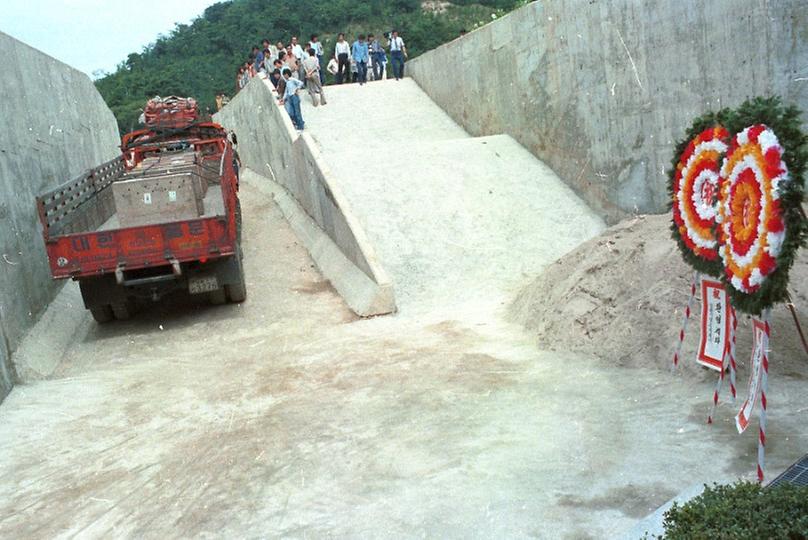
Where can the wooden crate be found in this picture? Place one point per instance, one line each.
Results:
(158, 199)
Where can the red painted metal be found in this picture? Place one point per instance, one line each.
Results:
(92, 253)
(171, 112)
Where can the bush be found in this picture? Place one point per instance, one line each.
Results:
(740, 511)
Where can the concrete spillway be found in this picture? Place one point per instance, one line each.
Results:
(289, 416)
(454, 219)
(55, 126)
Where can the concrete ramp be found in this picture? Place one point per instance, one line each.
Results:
(455, 220)
(289, 166)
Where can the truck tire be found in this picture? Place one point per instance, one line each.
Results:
(218, 297)
(237, 292)
(102, 314)
(122, 312)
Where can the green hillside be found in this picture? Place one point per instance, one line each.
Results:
(200, 59)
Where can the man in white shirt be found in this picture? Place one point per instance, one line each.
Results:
(300, 54)
(332, 67)
(342, 50)
(273, 52)
(297, 49)
(398, 52)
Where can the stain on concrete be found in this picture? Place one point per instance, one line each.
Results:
(315, 287)
(633, 500)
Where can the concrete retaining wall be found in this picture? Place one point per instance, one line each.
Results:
(55, 126)
(270, 147)
(600, 90)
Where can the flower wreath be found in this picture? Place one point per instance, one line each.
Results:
(761, 224)
(694, 189)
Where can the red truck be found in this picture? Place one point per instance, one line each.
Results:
(163, 216)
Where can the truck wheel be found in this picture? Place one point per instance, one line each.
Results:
(217, 297)
(122, 312)
(237, 292)
(102, 314)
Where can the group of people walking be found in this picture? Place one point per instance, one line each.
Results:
(366, 58)
(293, 67)
(350, 62)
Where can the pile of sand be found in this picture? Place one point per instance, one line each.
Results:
(621, 296)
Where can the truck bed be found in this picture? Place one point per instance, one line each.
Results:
(86, 235)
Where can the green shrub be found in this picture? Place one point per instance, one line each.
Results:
(741, 511)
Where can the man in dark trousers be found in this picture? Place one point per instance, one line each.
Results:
(398, 53)
(359, 54)
(342, 50)
(377, 57)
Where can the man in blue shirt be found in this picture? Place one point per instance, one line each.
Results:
(291, 100)
(259, 58)
(360, 54)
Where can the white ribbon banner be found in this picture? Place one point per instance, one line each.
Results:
(715, 324)
(761, 343)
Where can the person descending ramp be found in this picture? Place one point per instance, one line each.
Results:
(458, 221)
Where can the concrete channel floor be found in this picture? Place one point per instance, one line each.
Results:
(288, 417)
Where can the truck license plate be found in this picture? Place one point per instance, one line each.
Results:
(203, 285)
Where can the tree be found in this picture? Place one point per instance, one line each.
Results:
(199, 59)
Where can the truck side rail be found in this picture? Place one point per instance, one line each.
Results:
(58, 207)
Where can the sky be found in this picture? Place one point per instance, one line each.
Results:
(93, 35)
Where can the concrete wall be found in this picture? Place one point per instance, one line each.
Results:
(270, 147)
(601, 89)
(55, 126)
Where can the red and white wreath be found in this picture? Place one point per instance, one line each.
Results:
(750, 215)
(696, 189)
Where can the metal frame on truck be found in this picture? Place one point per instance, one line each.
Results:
(116, 266)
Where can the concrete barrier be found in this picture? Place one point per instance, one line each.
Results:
(55, 126)
(600, 91)
(271, 147)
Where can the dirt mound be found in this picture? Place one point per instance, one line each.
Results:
(621, 296)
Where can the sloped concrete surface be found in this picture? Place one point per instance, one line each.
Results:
(601, 91)
(271, 148)
(55, 125)
(365, 296)
(449, 215)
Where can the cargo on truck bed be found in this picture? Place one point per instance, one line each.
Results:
(170, 112)
(162, 216)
